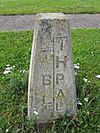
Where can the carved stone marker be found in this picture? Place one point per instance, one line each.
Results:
(51, 91)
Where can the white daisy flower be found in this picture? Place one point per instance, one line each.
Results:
(85, 80)
(75, 73)
(8, 69)
(22, 71)
(11, 68)
(97, 76)
(88, 112)
(7, 130)
(6, 72)
(8, 65)
(79, 103)
(86, 99)
(35, 112)
(76, 66)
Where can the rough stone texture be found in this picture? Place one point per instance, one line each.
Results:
(26, 22)
(51, 91)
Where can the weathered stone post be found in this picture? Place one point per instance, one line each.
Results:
(51, 91)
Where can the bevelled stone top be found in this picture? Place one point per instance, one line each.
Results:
(51, 16)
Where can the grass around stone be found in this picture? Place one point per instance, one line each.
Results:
(35, 6)
(15, 50)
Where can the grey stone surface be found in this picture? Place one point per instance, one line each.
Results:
(51, 91)
(26, 22)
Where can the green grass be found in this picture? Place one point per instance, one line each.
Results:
(15, 49)
(35, 6)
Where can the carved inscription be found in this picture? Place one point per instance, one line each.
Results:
(47, 52)
(60, 66)
(43, 99)
(58, 78)
(58, 62)
(48, 105)
(62, 41)
(60, 100)
(60, 94)
(46, 79)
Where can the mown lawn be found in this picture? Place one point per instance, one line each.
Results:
(35, 6)
(15, 50)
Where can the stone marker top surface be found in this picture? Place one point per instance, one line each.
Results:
(51, 16)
